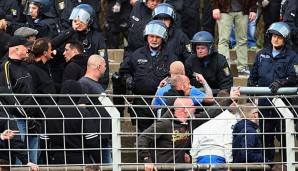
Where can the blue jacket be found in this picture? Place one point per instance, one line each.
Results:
(246, 143)
(267, 69)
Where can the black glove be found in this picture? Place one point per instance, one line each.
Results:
(251, 83)
(34, 126)
(275, 86)
(129, 83)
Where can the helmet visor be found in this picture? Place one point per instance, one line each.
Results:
(155, 29)
(165, 11)
(80, 14)
(283, 30)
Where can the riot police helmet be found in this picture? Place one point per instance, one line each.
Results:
(84, 12)
(164, 10)
(203, 38)
(280, 29)
(156, 27)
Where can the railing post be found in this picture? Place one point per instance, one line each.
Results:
(116, 139)
(290, 128)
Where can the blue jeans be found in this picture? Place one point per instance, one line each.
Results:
(211, 159)
(33, 141)
(106, 153)
(251, 40)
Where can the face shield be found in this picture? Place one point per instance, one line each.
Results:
(155, 29)
(26, 8)
(80, 14)
(163, 12)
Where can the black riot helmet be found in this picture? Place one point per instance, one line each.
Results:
(280, 29)
(85, 12)
(44, 6)
(164, 10)
(156, 27)
(202, 38)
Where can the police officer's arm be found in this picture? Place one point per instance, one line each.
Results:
(224, 75)
(185, 45)
(126, 68)
(289, 16)
(254, 75)
(63, 37)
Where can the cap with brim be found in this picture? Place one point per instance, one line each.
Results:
(18, 40)
(25, 32)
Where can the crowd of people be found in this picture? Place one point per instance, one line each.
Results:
(58, 46)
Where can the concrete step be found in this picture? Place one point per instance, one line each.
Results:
(115, 55)
(251, 55)
(114, 67)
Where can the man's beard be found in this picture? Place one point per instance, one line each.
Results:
(154, 46)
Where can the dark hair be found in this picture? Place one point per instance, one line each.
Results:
(75, 44)
(39, 46)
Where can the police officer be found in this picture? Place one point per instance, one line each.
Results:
(41, 19)
(11, 9)
(145, 68)
(117, 21)
(140, 16)
(274, 67)
(208, 62)
(61, 9)
(289, 16)
(177, 41)
(84, 30)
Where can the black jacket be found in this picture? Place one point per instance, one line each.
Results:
(42, 81)
(215, 70)
(75, 68)
(6, 122)
(247, 146)
(147, 71)
(19, 81)
(82, 132)
(4, 39)
(94, 43)
(139, 17)
(179, 43)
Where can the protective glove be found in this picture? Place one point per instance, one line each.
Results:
(129, 83)
(275, 86)
(265, 3)
(116, 8)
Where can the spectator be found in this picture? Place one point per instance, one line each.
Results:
(208, 22)
(16, 77)
(28, 33)
(177, 68)
(190, 19)
(4, 37)
(234, 12)
(177, 122)
(95, 71)
(207, 62)
(212, 141)
(247, 146)
(71, 133)
(76, 61)
(10, 137)
(274, 68)
(140, 76)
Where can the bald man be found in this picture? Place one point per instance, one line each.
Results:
(177, 68)
(96, 67)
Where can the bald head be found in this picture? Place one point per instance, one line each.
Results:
(176, 68)
(96, 67)
(184, 110)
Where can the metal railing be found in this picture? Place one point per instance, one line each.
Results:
(121, 129)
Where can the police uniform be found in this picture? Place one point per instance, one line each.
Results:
(139, 17)
(289, 16)
(178, 6)
(147, 71)
(214, 68)
(61, 9)
(11, 9)
(179, 43)
(267, 69)
(191, 17)
(117, 23)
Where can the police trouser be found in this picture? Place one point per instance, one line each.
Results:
(143, 116)
(272, 124)
(119, 89)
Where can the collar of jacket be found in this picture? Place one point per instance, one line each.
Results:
(283, 52)
(163, 51)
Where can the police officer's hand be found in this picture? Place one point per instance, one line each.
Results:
(76, 24)
(216, 14)
(116, 8)
(275, 86)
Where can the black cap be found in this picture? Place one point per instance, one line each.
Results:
(2, 15)
(18, 40)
